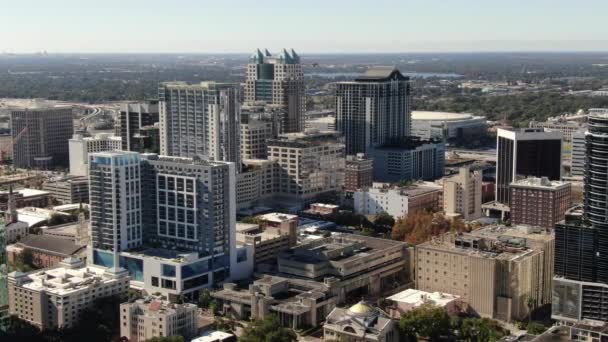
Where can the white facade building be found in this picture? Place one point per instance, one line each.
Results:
(80, 147)
(115, 199)
(397, 201)
(375, 200)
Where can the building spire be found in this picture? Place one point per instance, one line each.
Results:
(11, 215)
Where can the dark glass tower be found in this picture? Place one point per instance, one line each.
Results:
(580, 292)
(529, 152)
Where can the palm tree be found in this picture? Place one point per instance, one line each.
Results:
(531, 303)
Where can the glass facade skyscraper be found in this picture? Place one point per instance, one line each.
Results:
(580, 292)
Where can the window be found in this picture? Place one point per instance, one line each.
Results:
(168, 284)
(155, 281)
(195, 282)
(168, 270)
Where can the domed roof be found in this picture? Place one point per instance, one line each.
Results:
(360, 308)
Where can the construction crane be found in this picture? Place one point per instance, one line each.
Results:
(15, 141)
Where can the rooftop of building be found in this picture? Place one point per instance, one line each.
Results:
(325, 205)
(70, 276)
(34, 216)
(171, 255)
(340, 248)
(67, 229)
(495, 231)
(406, 143)
(245, 231)
(50, 244)
(67, 179)
(294, 289)
(306, 139)
(494, 241)
(363, 315)
(27, 192)
(443, 116)
(418, 297)
(283, 57)
(358, 157)
(214, 336)
(540, 183)
(410, 190)
(277, 217)
(204, 85)
(528, 133)
(381, 73)
(323, 119)
(97, 136)
(154, 157)
(70, 207)
(151, 306)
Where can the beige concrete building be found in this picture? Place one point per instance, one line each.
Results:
(310, 164)
(297, 303)
(362, 323)
(497, 270)
(350, 265)
(256, 182)
(462, 194)
(147, 318)
(69, 189)
(275, 233)
(56, 297)
(255, 131)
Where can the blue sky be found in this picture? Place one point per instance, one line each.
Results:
(309, 26)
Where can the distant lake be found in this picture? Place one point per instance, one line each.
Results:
(356, 74)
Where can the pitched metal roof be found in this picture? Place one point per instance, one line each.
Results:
(50, 244)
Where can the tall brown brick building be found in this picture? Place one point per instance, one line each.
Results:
(358, 172)
(539, 201)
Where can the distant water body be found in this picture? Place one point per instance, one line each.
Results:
(410, 74)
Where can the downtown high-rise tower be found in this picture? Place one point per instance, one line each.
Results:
(580, 293)
(200, 121)
(374, 109)
(149, 210)
(278, 80)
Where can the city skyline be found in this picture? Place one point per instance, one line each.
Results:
(315, 26)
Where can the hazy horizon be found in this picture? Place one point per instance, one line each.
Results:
(314, 26)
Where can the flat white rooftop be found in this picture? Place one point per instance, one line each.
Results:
(63, 281)
(442, 116)
(417, 297)
(278, 217)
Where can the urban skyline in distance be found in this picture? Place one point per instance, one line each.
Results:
(318, 171)
(313, 26)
